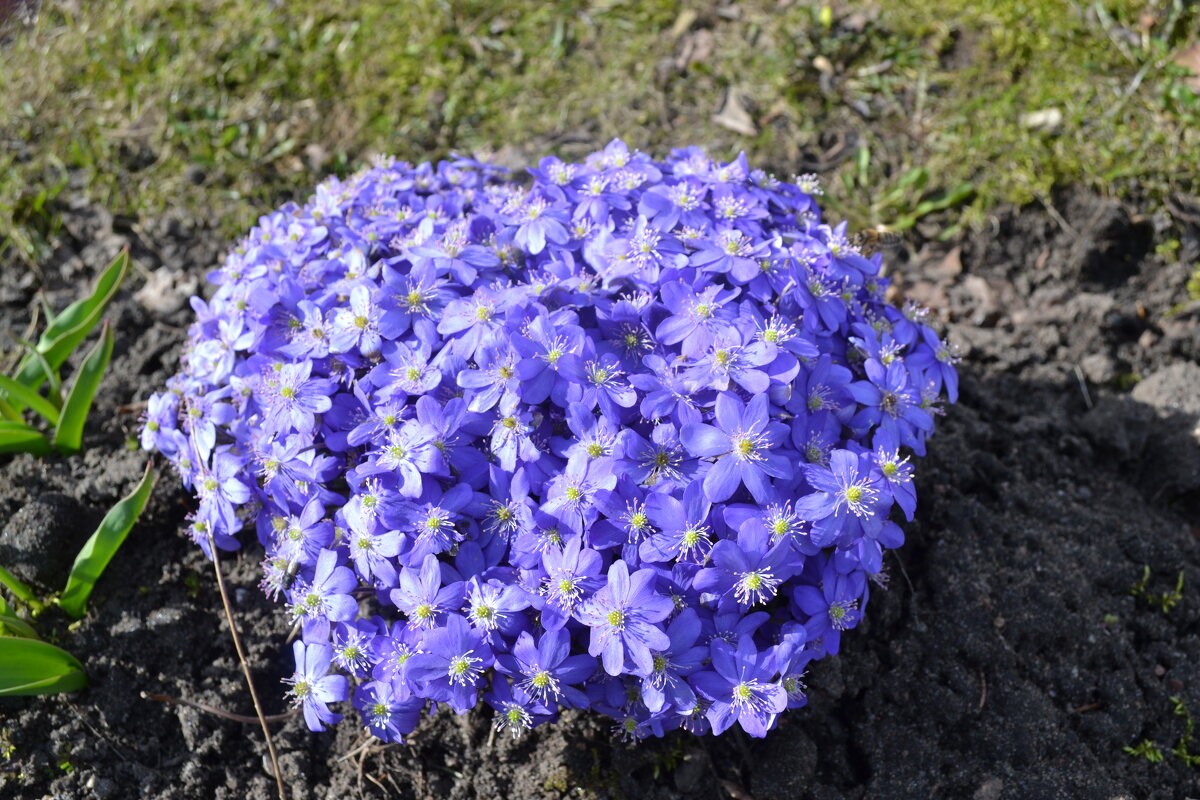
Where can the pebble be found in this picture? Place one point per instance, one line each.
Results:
(990, 789)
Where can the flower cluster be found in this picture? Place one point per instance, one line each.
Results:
(626, 436)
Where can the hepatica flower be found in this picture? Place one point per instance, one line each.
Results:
(627, 435)
(623, 617)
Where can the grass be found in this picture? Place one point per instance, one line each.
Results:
(225, 108)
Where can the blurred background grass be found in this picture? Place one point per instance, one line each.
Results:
(226, 108)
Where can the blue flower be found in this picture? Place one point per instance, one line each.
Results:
(546, 671)
(623, 616)
(742, 688)
(453, 665)
(629, 435)
(386, 715)
(313, 688)
(742, 443)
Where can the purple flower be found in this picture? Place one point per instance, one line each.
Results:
(371, 550)
(540, 223)
(422, 596)
(386, 715)
(313, 689)
(161, 417)
(326, 598)
(696, 317)
(749, 571)
(832, 607)
(357, 327)
(410, 454)
(293, 400)
(896, 473)
(890, 402)
(845, 490)
(684, 533)
(742, 445)
(644, 414)
(221, 489)
(742, 688)
(623, 617)
(546, 670)
(453, 664)
(299, 539)
(666, 685)
(569, 575)
(603, 385)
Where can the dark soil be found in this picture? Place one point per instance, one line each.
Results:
(1008, 659)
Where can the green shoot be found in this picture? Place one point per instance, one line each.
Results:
(68, 435)
(26, 396)
(68, 330)
(1164, 601)
(99, 549)
(1146, 749)
(20, 590)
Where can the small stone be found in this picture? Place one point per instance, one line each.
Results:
(984, 304)
(164, 617)
(1175, 388)
(1099, 368)
(101, 788)
(990, 789)
(166, 290)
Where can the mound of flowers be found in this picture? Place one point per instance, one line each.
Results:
(625, 436)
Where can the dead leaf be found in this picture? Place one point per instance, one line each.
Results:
(695, 48)
(734, 115)
(1189, 59)
(949, 267)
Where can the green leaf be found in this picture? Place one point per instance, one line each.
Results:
(74, 324)
(10, 413)
(17, 437)
(19, 589)
(23, 394)
(103, 545)
(31, 666)
(68, 436)
(49, 372)
(11, 625)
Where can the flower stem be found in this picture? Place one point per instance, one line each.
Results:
(237, 644)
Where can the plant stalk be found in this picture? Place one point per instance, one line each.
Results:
(237, 644)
